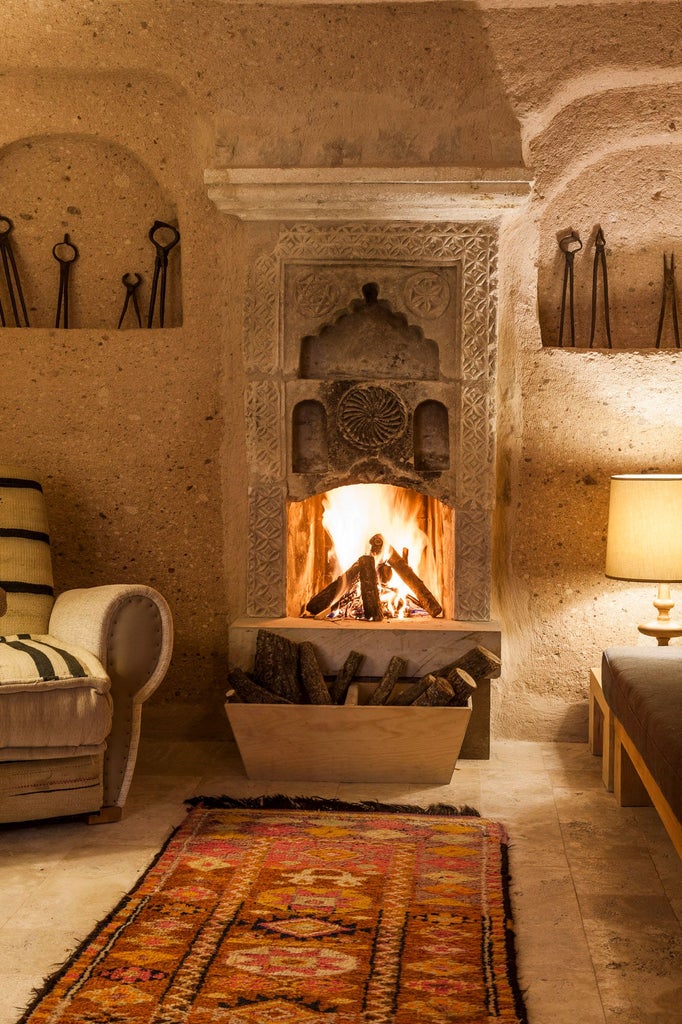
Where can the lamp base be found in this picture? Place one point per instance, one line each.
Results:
(662, 630)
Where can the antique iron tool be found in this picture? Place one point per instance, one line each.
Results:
(65, 253)
(9, 266)
(669, 295)
(132, 283)
(158, 231)
(570, 244)
(600, 262)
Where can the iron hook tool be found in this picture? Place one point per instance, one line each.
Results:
(9, 265)
(157, 232)
(131, 292)
(65, 253)
(570, 244)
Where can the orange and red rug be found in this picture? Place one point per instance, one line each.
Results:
(275, 915)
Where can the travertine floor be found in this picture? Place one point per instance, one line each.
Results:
(597, 889)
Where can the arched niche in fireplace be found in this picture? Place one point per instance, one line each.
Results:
(431, 437)
(370, 341)
(309, 447)
(328, 533)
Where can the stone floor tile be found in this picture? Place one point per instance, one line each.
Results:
(565, 998)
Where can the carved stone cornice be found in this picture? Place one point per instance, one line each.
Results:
(366, 193)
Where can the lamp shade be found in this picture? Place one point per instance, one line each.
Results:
(644, 539)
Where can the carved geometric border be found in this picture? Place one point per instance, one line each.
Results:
(474, 247)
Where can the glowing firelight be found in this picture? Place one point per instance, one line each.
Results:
(355, 513)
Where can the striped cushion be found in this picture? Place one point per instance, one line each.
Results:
(43, 662)
(25, 563)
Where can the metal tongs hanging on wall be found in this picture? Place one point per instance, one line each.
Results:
(669, 295)
(163, 237)
(12, 282)
(570, 244)
(600, 264)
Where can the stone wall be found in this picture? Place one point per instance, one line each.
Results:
(111, 113)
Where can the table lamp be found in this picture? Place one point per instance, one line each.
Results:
(644, 541)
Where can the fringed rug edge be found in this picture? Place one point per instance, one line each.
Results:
(510, 938)
(281, 802)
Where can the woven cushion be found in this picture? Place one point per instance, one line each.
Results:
(52, 694)
(25, 562)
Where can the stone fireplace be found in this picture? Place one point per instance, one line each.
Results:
(326, 406)
(370, 356)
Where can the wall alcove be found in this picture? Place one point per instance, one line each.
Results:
(106, 200)
(632, 194)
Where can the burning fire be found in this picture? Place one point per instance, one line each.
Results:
(379, 553)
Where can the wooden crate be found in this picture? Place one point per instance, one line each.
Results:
(352, 743)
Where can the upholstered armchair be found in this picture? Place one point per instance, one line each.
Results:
(74, 673)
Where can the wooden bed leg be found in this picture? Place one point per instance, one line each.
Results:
(600, 734)
(629, 788)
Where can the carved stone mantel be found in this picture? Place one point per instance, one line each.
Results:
(366, 193)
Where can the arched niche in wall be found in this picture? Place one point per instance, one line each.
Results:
(606, 154)
(431, 436)
(106, 200)
(632, 194)
(309, 448)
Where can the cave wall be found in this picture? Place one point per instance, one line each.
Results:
(111, 113)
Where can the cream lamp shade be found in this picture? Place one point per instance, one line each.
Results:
(644, 541)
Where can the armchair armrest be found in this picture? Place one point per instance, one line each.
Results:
(129, 628)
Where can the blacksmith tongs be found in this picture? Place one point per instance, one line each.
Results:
(600, 262)
(9, 265)
(158, 231)
(65, 254)
(669, 293)
(132, 282)
(570, 244)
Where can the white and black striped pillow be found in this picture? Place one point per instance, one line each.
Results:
(25, 561)
(29, 660)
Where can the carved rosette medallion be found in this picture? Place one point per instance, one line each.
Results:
(370, 417)
(426, 295)
(316, 293)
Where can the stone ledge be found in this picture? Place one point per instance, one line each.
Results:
(366, 193)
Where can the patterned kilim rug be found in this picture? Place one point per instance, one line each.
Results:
(269, 915)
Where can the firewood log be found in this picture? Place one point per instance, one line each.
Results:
(275, 666)
(463, 685)
(396, 667)
(334, 591)
(438, 695)
(369, 588)
(479, 662)
(345, 676)
(409, 577)
(410, 694)
(250, 692)
(311, 676)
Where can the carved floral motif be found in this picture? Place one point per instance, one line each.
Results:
(426, 294)
(371, 417)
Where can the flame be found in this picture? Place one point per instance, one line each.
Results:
(354, 513)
